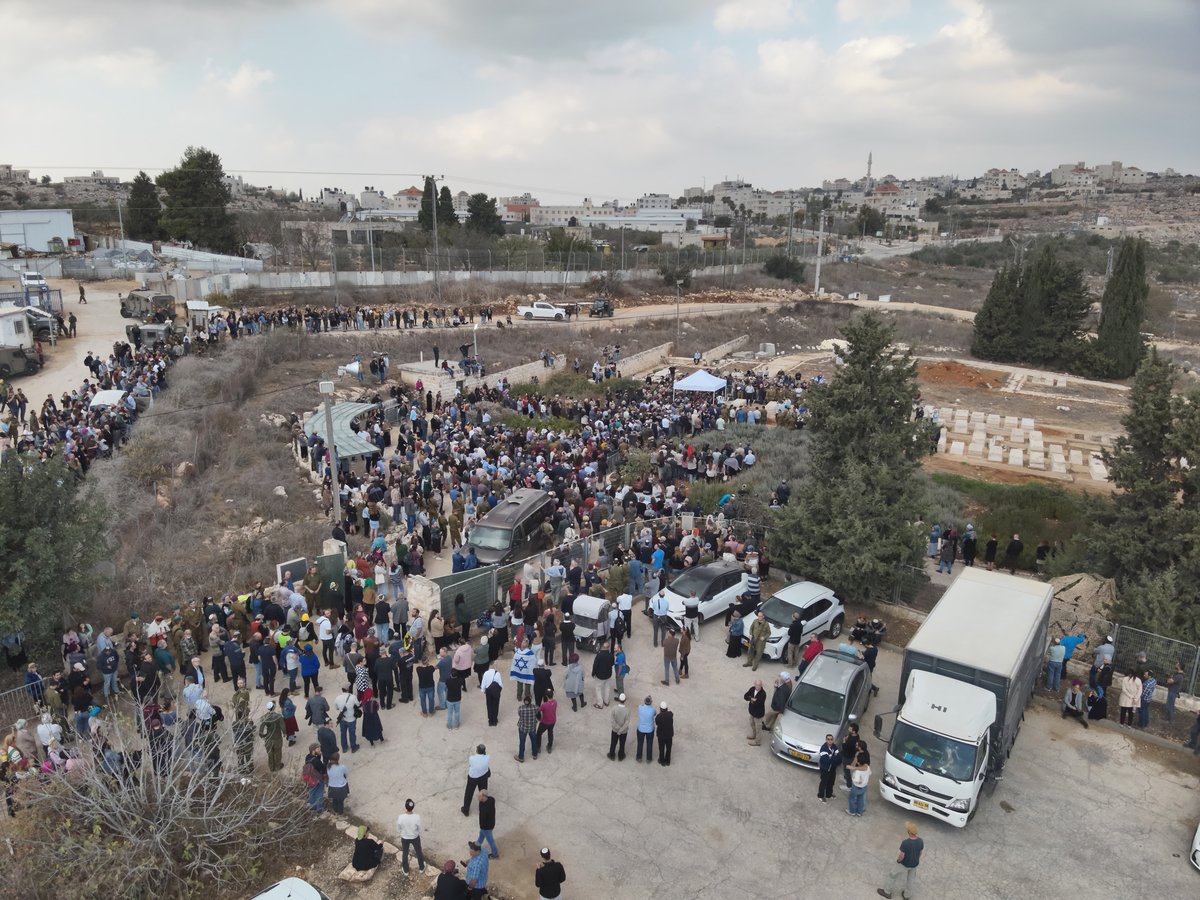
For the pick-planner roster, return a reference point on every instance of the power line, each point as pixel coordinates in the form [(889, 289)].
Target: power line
[(182, 409)]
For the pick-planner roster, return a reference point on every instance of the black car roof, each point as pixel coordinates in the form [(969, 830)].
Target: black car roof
[(512, 508)]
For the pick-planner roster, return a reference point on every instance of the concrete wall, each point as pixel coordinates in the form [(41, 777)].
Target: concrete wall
[(200, 288), (639, 363), (728, 347)]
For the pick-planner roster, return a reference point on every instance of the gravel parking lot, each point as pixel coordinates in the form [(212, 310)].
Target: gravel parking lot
[(1087, 813)]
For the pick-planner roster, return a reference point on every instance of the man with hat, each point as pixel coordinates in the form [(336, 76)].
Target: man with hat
[(664, 728), (550, 875), (449, 885), (477, 871), (779, 699)]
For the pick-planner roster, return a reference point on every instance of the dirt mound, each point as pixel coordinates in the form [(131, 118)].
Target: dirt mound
[(955, 373)]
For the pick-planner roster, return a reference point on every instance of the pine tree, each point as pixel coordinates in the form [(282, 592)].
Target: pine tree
[(425, 215), (1057, 302), (1147, 537), (850, 523), (446, 216), (483, 216), (197, 197), (1122, 309), (997, 324), (145, 210)]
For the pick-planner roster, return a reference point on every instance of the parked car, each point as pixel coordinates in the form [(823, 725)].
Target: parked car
[(291, 889), (833, 692), (1196, 848), (716, 584), (542, 310), (820, 610)]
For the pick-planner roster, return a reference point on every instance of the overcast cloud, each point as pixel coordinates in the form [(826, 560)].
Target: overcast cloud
[(602, 100)]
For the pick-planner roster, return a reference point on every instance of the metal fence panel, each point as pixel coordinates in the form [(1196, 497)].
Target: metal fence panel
[(477, 587), (17, 704), (1140, 650)]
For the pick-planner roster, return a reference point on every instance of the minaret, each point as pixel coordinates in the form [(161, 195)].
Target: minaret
[(869, 155)]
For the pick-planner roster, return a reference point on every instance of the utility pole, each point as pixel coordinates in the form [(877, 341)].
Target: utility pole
[(337, 298), (437, 285), (326, 389), (678, 285), (791, 221), (820, 252), (124, 255), (1109, 265)]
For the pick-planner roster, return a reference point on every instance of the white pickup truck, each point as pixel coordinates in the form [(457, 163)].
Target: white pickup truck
[(542, 310)]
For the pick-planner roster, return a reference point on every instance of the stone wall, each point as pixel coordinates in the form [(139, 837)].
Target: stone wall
[(723, 350)]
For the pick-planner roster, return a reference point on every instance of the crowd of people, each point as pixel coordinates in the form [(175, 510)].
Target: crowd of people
[(74, 428)]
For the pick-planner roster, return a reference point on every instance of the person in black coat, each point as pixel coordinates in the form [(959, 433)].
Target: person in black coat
[(664, 729)]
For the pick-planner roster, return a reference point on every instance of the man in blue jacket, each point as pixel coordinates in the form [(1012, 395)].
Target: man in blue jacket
[(828, 758)]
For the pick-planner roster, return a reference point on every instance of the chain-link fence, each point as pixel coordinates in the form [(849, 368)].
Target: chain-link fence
[(1138, 651)]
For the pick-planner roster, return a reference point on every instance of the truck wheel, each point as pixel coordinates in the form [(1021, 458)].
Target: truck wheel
[(125, 313), (835, 627), (529, 315), (5, 370), (558, 317), (31, 367)]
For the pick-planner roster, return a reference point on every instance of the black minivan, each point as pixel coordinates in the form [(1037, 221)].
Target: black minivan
[(513, 530)]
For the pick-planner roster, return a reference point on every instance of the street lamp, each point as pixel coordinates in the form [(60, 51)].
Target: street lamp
[(678, 285), (326, 389)]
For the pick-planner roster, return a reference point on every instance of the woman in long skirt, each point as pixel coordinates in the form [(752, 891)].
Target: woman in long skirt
[(372, 727), (288, 708)]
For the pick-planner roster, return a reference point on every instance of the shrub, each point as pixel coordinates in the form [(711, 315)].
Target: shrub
[(785, 268), (177, 829)]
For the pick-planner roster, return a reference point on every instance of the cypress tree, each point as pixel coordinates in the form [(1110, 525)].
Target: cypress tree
[(1122, 309)]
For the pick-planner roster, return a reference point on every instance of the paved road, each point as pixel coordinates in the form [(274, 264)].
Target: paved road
[(727, 820)]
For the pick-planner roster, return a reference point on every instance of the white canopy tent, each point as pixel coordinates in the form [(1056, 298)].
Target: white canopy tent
[(701, 382)]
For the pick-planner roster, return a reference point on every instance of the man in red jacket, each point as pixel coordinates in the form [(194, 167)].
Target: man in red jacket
[(811, 651)]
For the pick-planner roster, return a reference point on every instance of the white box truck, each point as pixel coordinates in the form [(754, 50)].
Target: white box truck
[(968, 673)]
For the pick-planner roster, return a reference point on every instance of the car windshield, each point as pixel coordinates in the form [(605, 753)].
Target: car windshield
[(779, 612), (817, 703), (933, 752), (489, 537), (691, 582)]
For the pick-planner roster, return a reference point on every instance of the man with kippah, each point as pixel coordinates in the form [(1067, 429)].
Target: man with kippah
[(549, 877)]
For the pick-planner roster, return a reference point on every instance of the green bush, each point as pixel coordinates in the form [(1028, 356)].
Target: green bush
[(785, 268)]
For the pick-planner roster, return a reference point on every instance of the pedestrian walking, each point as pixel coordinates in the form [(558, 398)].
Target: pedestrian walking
[(487, 823), (620, 729), (549, 877), (270, 729), (547, 719), (408, 826), (756, 700), (760, 630), (454, 695), (526, 729), (372, 725), (573, 684), (685, 650), (479, 770), (670, 643), (903, 876), (492, 687)]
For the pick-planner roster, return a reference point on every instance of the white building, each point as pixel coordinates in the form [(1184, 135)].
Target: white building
[(97, 178), (1002, 180), (36, 229), (9, 175), (614, 216), (370, 198), (654, 201), (235, 184), (335, 198)]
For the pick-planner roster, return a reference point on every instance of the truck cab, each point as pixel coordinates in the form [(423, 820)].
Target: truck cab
[(148, 306), (937, 757)]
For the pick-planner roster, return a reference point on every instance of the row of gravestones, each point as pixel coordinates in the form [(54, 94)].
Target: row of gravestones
[(977, 425)]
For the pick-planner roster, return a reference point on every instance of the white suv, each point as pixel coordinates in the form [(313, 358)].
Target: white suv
[(820, 611)]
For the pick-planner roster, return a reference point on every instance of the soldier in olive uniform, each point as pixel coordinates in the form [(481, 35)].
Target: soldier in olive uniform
[(270, 729)]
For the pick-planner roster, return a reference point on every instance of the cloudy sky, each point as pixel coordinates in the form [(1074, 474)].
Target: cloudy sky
[(610, 99)]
